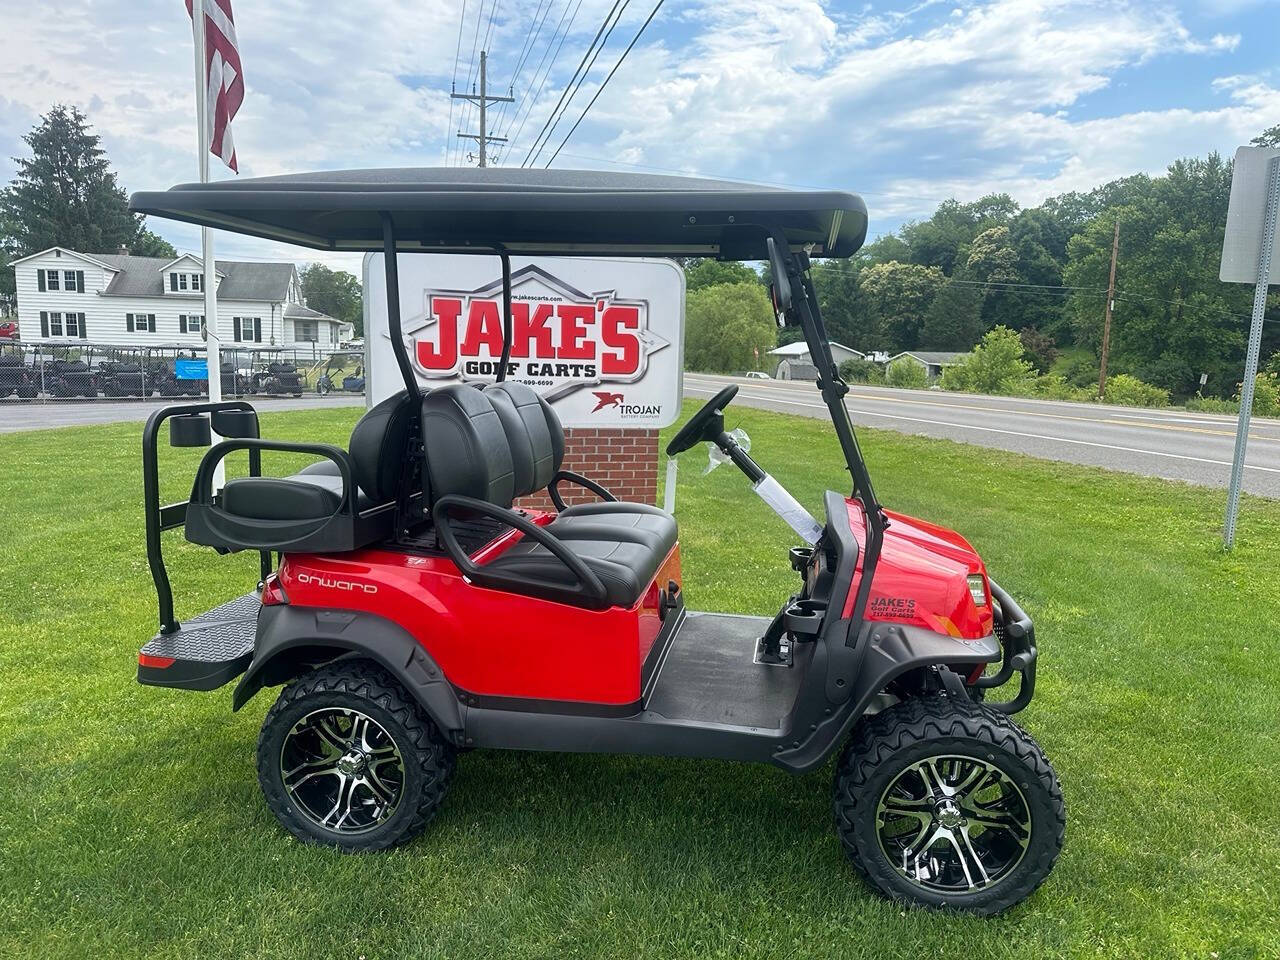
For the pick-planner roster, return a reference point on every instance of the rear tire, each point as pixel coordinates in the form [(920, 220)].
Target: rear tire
[(347, 759), (944, 803)]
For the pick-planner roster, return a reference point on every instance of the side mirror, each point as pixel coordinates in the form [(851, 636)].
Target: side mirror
[(781, 282)]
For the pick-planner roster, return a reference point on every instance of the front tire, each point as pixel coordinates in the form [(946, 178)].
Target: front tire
[(347, 759), (945, 803)]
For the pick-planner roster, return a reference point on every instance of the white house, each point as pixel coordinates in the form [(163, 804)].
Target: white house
[(120, 299), (933, 361), (794, 362)]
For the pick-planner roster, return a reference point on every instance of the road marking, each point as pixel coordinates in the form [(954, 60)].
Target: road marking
[(1014, 433)]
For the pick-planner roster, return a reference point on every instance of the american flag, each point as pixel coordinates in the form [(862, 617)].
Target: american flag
[(225, 84)]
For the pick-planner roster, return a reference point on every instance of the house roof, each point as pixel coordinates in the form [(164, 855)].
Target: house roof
[(800, 348), (296, 311), (939, 358), (91, 258), (528, 212), (142, 277)]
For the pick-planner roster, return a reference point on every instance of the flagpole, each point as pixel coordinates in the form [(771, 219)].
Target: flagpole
[(209, 283)]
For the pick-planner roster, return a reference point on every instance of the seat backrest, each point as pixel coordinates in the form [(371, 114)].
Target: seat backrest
[(378, 446), (467, 451), (533, 432)]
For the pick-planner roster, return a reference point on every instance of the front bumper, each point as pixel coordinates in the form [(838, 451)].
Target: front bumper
[(1017, 636)]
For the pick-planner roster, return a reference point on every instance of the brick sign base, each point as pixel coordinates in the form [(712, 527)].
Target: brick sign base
[(623, 461)]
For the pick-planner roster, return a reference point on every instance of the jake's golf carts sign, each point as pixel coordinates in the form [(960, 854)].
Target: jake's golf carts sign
[(598, 338)]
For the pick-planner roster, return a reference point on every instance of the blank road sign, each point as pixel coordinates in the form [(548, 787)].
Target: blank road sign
[(1245, 215)]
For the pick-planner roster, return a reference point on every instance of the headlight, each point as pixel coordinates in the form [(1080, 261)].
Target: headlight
[(978, 589)]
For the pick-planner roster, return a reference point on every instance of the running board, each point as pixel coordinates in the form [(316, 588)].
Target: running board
[(205, 652)]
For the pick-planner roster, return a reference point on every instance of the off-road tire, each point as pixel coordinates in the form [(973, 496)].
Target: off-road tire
[(428, 758), (883, 745)]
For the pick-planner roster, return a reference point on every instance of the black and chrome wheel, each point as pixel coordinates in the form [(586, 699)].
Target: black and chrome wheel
[(948, 804), (347, 759)]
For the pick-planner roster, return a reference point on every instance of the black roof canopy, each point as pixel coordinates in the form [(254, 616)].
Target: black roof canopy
[(460, 209)]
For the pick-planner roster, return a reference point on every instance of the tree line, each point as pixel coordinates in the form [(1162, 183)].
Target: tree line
[(945, 282)]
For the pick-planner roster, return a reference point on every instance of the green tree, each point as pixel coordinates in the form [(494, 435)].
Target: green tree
[(1268, 138), (897, 298), (1038, 348), (905, 372), (7, 292), (843, 312), (65, 194), (728, 327), (706, 272), (954, 318), (334, 292), (995, 367)]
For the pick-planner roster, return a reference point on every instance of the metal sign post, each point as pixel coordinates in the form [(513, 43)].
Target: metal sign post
[(1245, 207)]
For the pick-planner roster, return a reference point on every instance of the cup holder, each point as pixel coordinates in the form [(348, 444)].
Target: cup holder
[(804, 617), (800, 557)]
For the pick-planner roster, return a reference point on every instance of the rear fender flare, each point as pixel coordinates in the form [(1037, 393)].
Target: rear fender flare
[(283, 628), (889, 650)]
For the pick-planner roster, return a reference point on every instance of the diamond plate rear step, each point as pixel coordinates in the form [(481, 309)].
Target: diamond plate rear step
[(205, 652)]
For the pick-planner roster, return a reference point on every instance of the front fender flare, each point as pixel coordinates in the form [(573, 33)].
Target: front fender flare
[(284, 628)]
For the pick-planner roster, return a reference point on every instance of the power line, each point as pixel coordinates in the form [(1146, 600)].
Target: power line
[(540, 16), (528, 112), (644, 26), (585, 57)]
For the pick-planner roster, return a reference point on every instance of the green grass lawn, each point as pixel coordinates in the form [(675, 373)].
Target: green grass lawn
[(131, 822)]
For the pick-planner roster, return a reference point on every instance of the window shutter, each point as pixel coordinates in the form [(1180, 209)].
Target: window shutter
[(84, 333), (182, 323), (44, 323), (128, 322), (151, 322), (257, 329), (40, 282), (80, 281), (173, 281), (235, 329)]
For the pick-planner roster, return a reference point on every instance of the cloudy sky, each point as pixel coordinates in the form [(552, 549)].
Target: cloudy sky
[(905, 103)]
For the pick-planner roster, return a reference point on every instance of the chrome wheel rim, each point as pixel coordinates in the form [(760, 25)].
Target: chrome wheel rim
[(342, 770), (953, 824)]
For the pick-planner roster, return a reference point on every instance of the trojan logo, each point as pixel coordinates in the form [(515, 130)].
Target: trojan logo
[(559, 334), (604, 399)]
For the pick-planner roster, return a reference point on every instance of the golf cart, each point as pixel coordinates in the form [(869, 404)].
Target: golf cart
[(123, 373), (343, 370), (274, 375), (175, 371), (15, 376), (68, 372), (412, 613)]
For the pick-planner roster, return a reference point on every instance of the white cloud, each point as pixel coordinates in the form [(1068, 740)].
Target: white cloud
[(909, 106)]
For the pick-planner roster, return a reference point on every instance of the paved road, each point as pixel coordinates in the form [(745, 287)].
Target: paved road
[(18, 415), (1196, 448)]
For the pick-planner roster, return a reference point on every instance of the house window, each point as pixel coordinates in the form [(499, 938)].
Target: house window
[(182, 281), (55, 324), (196, 281), (69, 280), (190, 322), (73, 325), (306, 330), (51, 279), (140, 322), (245, 329)]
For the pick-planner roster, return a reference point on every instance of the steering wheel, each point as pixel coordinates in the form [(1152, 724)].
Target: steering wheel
[(706, 424)]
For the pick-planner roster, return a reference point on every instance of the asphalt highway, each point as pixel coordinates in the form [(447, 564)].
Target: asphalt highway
[(1195, 448)]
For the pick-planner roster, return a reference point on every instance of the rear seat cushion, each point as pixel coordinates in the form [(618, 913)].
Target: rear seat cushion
[(275, 498)]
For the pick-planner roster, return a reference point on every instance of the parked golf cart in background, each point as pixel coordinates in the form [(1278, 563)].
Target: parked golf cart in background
[(175, 371), (122, 372), (413, 613), (343, 370), (274, 372), (15, 373), (237, 373), (70, 372)]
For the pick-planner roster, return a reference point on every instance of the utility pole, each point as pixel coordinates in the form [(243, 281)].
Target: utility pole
[(1106, 322), (482, 100)]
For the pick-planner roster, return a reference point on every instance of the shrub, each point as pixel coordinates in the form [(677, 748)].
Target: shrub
[(1054, 386), (1213, 405), (1266, 395), (994, 366), (862, 371), (1127, 390), (905, 372)]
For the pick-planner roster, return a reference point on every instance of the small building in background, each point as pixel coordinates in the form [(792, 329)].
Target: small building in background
[(795, 363), (120, 299), (933, 361)]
